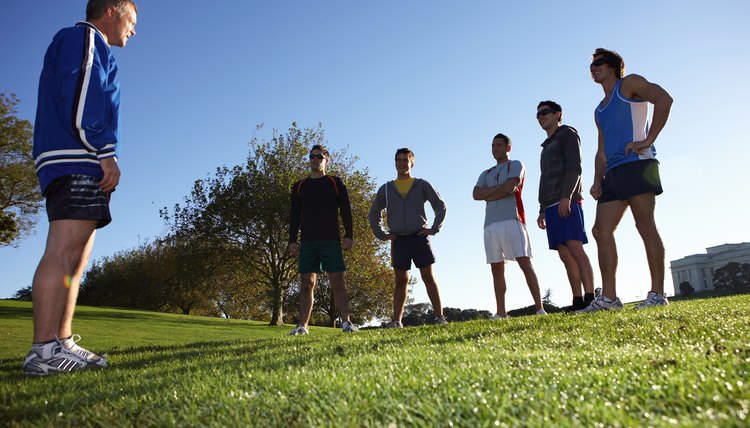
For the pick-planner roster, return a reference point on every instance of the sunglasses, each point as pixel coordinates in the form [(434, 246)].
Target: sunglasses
[(599, 61), (544, 112), (314, 156)]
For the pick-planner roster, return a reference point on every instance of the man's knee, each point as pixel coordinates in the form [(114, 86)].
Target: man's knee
[(524, 262), (602, 233), (498, 269), (336, 278), (646, 227), (308, 282)]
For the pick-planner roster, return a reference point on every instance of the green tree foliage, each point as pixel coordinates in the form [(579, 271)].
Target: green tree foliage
[(733, 277), (686, 288), (243, 212), (422, 313), (23, 294), (165, 276), (20, 199), (547, 298)]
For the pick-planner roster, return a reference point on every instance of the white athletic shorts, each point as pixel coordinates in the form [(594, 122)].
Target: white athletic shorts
[(506, 240)]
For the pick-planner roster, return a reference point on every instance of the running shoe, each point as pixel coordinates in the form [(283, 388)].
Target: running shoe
[(440, 320), (653, 299), (394, 324), (71, 344), (541, 312), (58, 360), (601, 303), (298, 331), (349, 327)]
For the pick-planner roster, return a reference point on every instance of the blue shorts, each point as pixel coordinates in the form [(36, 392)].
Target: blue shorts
[(627, 180), (77, 197), (561, 230), (319, 256), (404, 249)]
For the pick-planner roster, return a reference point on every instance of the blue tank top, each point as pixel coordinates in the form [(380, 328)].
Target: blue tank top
[(623, 120)]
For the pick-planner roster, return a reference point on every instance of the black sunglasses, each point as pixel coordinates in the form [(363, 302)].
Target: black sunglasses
[(314, 156), (599, 61), (544, 112)]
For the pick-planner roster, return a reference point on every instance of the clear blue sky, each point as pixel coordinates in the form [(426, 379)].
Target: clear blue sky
[(441, 77)]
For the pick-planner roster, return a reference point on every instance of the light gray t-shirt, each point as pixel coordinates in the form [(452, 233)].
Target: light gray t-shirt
[(505, 208)]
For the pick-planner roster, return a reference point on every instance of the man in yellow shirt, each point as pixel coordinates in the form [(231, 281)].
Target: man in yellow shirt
[(404, 199)]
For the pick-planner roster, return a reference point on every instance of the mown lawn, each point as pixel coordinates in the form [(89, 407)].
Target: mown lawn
[(684, 365)]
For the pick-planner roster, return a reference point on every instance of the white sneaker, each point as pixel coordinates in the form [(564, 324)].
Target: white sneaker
[(541, 312), (394, 324), (441, 320), (349, 327), (52, 358), (601, 303), (298, 331), (71, 344), (499, 317), (653, 299)]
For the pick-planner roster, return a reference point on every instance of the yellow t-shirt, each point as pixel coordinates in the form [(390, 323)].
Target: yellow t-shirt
[(403, 186)]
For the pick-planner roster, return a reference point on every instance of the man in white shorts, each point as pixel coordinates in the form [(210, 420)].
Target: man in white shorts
[(505, 235)]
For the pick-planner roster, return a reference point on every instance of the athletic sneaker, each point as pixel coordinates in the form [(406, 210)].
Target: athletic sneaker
[(54, 358), (298, 331), (394, 324), (499, 317), (601, 303), (440, 320), (653, 299), (349, 327), (541, 312), (71, 345)]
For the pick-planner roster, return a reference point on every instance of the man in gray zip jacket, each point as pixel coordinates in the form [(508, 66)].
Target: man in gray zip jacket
[(404, 199)]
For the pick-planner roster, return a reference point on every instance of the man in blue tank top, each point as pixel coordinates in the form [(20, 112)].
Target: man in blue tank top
[(626, 172)]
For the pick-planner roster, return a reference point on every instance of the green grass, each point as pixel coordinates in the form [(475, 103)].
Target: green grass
[(684, 365)]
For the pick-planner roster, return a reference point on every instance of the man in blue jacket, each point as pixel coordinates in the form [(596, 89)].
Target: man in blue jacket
[(404, 199), (75, 137)]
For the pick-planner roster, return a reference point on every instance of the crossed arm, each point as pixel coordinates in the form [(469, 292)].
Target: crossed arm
[(494, 193)]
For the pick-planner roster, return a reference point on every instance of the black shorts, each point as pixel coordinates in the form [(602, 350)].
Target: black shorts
[(404, 249), (77, 197), (634, 178)]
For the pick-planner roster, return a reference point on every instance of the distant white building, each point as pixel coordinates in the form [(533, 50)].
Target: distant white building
[(698, 269)]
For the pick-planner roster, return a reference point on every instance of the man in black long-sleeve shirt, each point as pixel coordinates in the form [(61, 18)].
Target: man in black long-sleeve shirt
[(315, 205), (560, 199)]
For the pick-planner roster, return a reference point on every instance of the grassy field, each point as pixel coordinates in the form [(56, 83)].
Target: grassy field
[(684, 365)]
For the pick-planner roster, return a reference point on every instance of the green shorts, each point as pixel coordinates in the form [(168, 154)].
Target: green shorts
[(319, 256)]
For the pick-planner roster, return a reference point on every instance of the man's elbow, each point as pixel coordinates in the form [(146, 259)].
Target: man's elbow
[(665, 101), (477, 194)]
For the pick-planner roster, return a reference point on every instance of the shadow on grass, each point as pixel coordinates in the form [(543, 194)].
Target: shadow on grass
[(15, 312)]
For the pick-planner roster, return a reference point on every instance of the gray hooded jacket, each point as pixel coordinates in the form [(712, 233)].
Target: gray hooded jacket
[(406, 216)]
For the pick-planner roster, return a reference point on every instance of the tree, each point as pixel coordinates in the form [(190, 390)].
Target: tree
[(686, 288), (733, 277), (23, 294), (547, 298), (245, 212), (416, 314), (20, 199)]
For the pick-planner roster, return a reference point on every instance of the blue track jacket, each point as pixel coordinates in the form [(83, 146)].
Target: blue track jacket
[(78, 106)]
